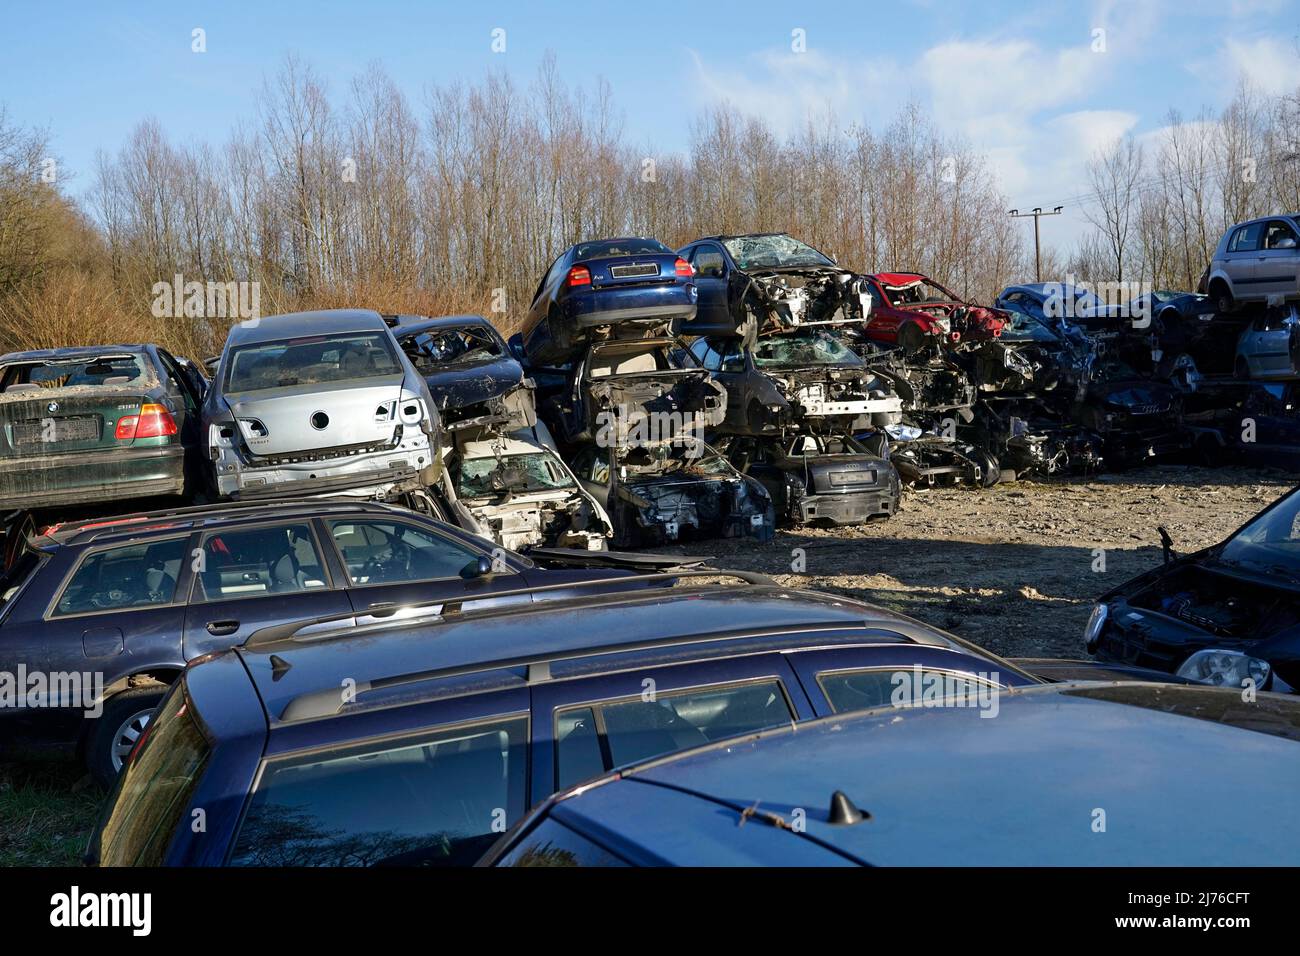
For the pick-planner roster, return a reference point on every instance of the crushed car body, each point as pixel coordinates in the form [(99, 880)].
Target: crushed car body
[(817, 479), (769, 281), (660, 492), (320, 403), (474, 380), (516, 491)]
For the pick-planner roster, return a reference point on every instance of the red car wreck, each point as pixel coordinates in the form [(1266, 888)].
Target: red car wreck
[(910, 311)]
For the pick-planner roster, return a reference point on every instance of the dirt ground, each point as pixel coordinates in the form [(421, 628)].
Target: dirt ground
[(1012, 567)]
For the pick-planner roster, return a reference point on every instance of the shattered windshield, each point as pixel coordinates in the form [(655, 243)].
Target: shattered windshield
[(520, 474), (92, 370), (311, 360), (1025, 327), (463, 346), (810, 348), (773, 252), (1270, 544), (689, 456)]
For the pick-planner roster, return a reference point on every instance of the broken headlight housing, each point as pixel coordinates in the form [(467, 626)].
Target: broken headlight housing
[(1225, 668)]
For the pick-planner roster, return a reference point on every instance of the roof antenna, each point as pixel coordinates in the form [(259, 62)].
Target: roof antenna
[(843, 812)]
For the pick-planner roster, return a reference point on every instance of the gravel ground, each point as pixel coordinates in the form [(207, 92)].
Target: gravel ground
[(1012, 567)]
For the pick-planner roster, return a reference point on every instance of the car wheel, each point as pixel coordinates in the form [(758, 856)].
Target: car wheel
[(118, 729), (1224, 303)]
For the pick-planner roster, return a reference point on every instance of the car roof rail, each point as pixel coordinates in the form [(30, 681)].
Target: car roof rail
[(140, 520), (329, 702), (449, 609)]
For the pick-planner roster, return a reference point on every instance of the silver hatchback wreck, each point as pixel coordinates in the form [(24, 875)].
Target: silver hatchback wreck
[(320, 403)]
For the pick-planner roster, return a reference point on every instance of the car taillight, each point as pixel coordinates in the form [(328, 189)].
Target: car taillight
[(954, 336), (154, 421), (684, 268), (579, 275)]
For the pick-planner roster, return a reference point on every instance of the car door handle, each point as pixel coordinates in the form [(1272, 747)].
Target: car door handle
[(222, 628)]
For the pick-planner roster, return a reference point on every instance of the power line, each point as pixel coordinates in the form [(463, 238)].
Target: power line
[(1037, 214)]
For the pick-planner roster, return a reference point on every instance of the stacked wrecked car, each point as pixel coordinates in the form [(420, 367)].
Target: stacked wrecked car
[(625, 402)]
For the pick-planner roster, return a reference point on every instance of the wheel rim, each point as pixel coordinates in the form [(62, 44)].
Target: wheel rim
[(127, 736)]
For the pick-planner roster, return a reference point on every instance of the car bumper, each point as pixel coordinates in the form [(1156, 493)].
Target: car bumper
[(612, 305), (380, 474), (846, 509), (41, 481)]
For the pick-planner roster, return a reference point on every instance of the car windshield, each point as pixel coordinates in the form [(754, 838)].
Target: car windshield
[(463, 346), (311, 360), (918, 293), (801, 350), (1270, 544), (773, 252), (521, 474), (680, 454), (1025, 327), (619, 247), (91, 371)]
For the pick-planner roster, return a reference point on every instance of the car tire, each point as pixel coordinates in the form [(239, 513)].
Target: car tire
[(1224, 303), (118, 728)]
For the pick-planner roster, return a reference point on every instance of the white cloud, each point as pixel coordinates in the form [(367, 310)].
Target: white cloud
[(1273, 66)]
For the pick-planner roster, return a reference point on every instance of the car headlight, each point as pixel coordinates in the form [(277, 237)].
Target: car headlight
[(1096, 621), (1224, 668)]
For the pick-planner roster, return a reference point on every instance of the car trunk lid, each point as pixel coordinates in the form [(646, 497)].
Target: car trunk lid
[(314, 417)]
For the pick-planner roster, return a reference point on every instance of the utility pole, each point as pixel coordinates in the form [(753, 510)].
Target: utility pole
[(1037, 214)]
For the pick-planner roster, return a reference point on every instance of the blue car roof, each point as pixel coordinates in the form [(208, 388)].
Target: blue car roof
[(1070, 774), (415, 652)]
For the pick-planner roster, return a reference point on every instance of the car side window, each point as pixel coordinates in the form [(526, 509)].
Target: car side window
[(392, 552), (440, 800), (1247, 238), (179, 381), (708, 261), (136, 575), (732, 358), (626, 731), (1280, 235), (885, 686), (254, 561), (706, 355)]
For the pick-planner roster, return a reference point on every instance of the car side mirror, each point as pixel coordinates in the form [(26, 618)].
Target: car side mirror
[(480, 568)]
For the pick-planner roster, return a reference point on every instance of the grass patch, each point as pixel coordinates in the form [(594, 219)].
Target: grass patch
[(47, 811)]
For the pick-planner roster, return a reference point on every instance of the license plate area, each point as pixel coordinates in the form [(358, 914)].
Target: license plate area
[(53, 431), (635, 270)]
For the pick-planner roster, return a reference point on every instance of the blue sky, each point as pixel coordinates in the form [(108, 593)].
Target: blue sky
[(1021, 81)]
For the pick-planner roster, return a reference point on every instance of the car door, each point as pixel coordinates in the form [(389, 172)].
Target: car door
[(255, 576), (1242, 257), (713, 315), (872, 676), (882, 324), (390, 562), (186, 399), (582, 728), (121, 608), (1276, 265)]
